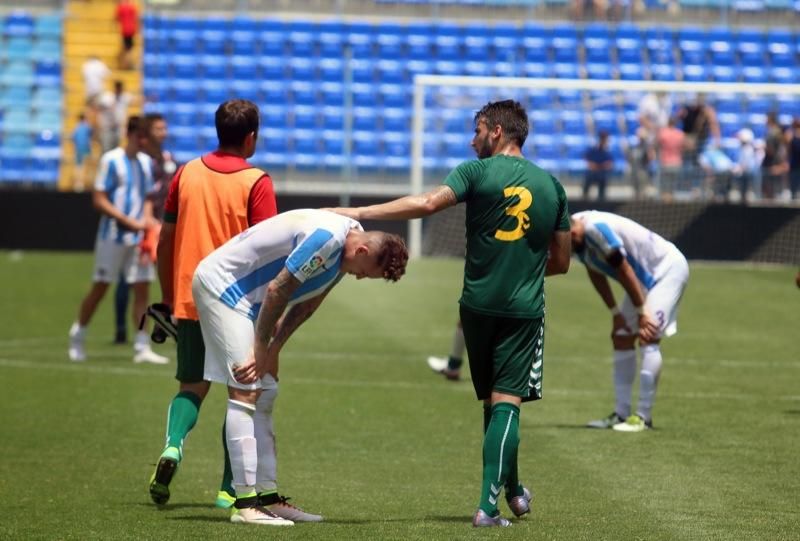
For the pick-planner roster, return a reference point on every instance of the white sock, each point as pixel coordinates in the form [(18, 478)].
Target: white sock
[(267, 472), (648, 379), (239, 433), (457, 349), (141, 341), (77, 331), (624, 374)]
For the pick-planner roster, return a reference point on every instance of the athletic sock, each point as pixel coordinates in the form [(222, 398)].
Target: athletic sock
[(181, 418), (648, 380), (500, 445), (77, 331), (141, 342), (455, 359), (242, 448), (266, 475), (624, 374), (227, 476)]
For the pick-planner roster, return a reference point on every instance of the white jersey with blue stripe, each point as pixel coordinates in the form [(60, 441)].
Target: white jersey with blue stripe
[(648, 253), (308, 243), (127, 182)]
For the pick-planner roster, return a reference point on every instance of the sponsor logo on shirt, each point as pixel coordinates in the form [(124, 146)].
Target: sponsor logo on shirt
[(312, 265)]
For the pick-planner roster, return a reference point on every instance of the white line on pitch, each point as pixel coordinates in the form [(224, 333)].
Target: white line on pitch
[(393, 384)]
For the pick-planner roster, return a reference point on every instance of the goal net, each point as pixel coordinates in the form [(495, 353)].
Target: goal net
[(566, 116)]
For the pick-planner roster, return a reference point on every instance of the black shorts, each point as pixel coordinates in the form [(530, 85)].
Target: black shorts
[(505, 354), (127, 42), (191, 352)]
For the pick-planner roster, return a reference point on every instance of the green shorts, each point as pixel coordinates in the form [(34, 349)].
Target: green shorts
[(191, 352), (505, 354)]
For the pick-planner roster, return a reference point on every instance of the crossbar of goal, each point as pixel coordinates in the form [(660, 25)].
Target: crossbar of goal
[(422, 82)]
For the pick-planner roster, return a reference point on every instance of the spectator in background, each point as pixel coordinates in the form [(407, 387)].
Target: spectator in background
[(653, 113), (699, 126), (774, 166), (794, 160), (95, 73), (747, 170), (670, 141), (163, 169), (113, 115), (127, 16), (598, 164), (82, 143)]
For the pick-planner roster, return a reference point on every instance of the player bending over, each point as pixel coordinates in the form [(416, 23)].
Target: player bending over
[(653, 273), (242, 290)]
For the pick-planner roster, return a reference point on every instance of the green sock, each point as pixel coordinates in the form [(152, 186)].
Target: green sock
[(227, 474), (182, 417), (513, 486), (500, 445)]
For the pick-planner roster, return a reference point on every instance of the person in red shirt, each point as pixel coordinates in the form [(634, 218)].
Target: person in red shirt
[(127, 16)]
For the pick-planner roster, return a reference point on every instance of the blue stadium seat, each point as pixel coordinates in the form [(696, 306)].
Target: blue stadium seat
[(16, 97), (361, 39), (304, 93), (754, 74), (419, 41), (47, 50), (272, 68), (391, 71), (214, 66), (695, 73), (505, 40), (566, 70), (631, 71), (273, 35), (396, 120), (725, 73), (48, 26), (366, 150), (18, 73), (17, 49), (784, 75), (18, 23), (596, 70), (662, 72), (397, 149)]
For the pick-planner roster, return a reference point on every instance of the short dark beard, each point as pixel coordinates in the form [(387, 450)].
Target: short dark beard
[(485, 149)]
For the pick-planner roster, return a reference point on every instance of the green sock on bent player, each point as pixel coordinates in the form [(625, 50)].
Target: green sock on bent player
[(500, 445), (183, 412)]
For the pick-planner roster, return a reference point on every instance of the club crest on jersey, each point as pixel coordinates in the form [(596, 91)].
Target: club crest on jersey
[(312, 265)]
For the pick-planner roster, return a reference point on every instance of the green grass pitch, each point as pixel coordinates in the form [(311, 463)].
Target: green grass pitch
[(384, 448)]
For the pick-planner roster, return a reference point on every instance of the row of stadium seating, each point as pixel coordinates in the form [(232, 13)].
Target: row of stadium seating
[(31, 97), (299, 70), (24, 24), (749, 6)]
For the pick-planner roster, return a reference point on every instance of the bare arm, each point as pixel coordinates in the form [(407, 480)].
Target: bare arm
[(406, 208), (601, 285), (166, 264), (630, 283), (103, 204), (279, 291), (294, 317), (559, 251)]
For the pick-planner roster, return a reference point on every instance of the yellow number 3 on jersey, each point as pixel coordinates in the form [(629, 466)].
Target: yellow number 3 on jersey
[(518, 212)]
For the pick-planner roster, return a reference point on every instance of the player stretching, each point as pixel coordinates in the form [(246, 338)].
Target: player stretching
[(242, 289), (653, 273), (517, 231)]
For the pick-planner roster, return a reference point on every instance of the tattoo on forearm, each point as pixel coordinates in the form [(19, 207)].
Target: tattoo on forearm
[(296, 316), (277, 297)]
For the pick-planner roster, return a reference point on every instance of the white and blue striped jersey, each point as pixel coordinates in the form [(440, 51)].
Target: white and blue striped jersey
[(308, 243), (127, 182), (649, 254)]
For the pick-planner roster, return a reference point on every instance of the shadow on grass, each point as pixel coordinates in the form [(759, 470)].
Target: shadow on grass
[(177, 506), (463, 519), (792, 412)]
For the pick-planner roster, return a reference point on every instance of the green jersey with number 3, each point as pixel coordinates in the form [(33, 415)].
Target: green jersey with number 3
[(513, 208)]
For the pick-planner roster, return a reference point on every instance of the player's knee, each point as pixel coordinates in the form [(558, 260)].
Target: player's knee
[(200, 388), (622, 341)]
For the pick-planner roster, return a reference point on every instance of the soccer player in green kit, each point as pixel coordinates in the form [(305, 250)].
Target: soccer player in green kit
[(517, 233)]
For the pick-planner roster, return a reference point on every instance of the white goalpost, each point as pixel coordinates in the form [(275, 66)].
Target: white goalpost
[(506, 87)]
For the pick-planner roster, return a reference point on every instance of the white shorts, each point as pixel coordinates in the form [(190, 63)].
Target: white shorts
[(662, 301), (229, 338), (111, 259)]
